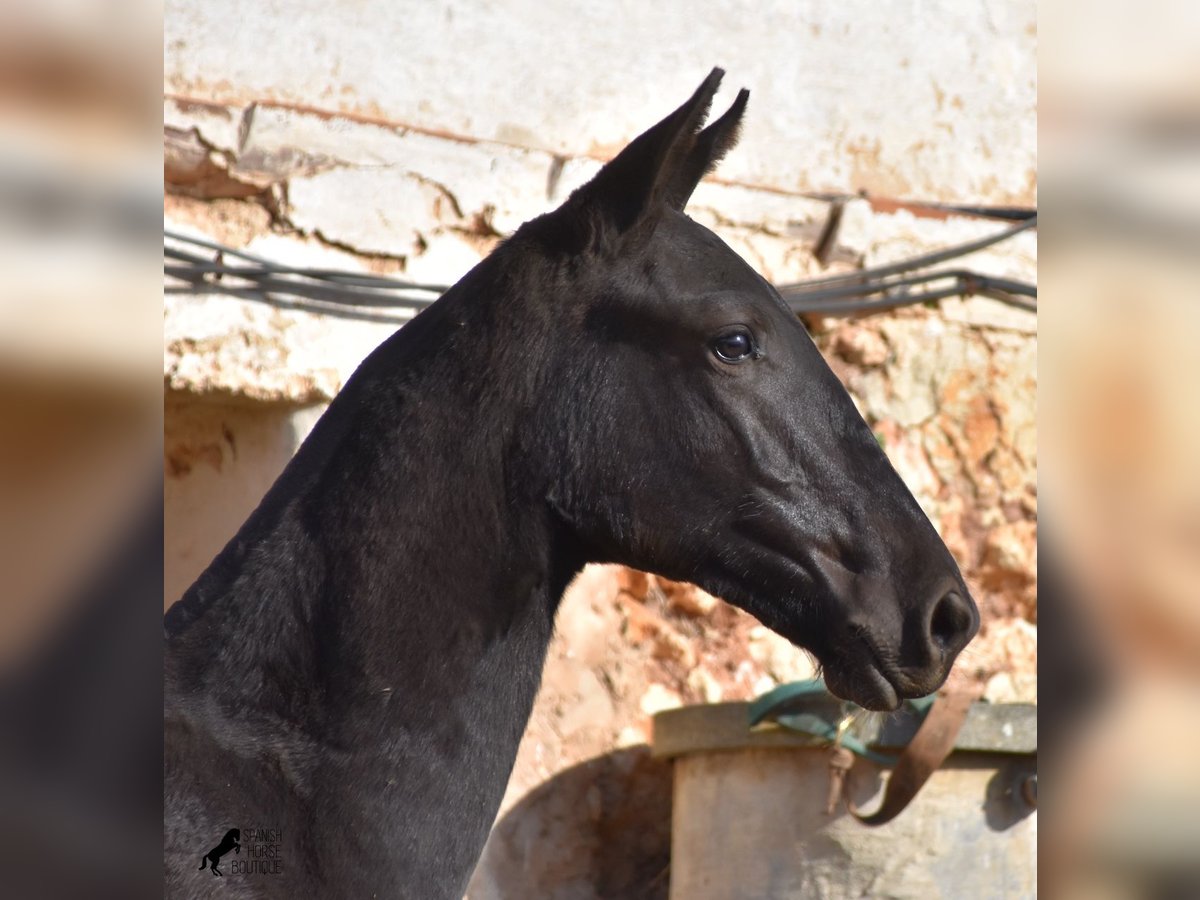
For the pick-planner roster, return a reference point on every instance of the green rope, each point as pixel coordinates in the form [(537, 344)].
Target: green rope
[(816, 725)]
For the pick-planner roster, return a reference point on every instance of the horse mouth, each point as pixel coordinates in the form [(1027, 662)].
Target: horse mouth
[(865, 684), (862, 674)]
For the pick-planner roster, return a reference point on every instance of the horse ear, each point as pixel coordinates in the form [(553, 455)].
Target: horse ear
[(707, 150), (632, 187)]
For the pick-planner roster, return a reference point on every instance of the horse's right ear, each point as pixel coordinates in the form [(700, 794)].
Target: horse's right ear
[(629, 193), (707, 150)]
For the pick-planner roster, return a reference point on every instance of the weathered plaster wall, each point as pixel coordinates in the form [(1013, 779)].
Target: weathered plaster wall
[(932, 99)]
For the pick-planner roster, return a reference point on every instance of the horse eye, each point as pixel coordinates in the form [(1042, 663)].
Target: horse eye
[(735, 346)]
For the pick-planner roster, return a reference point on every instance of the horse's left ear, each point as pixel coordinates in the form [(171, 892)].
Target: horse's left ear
[(659, 167)]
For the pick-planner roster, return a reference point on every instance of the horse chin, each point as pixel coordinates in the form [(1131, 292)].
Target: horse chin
[(868, 687)]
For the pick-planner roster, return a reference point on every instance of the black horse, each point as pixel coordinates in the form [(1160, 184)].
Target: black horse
[(613, 383)]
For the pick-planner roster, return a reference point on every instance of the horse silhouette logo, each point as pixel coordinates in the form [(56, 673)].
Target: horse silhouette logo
[(231, 841)]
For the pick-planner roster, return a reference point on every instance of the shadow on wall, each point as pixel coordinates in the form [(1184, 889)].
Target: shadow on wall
[(219, 459), (600, 830)]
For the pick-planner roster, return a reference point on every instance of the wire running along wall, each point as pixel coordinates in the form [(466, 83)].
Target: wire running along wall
[(198, 266)]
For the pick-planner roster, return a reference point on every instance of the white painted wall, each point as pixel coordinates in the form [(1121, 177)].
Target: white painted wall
[(931, 100)]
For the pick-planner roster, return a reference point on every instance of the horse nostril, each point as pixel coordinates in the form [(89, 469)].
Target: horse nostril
[(953, 623)]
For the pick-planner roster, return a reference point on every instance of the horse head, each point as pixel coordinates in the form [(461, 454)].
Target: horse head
[(694, 429)]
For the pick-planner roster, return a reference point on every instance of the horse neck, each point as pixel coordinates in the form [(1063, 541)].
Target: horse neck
[(399, 579)]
